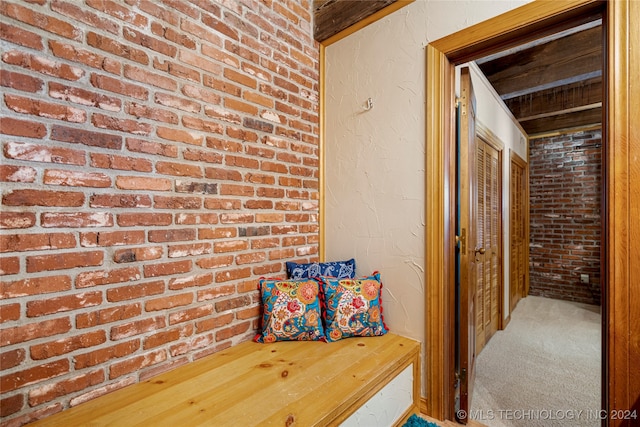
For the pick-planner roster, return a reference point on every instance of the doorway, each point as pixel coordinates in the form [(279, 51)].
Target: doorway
[(474, 42)]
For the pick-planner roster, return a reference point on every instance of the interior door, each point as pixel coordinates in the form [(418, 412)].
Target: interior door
[(488, 205), (519, 257), (467, 244)]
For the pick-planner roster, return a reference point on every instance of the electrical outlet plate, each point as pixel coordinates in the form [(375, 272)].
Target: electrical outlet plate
[(584, 278)]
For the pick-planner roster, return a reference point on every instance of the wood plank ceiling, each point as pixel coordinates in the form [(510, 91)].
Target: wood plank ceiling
[(550, 85)]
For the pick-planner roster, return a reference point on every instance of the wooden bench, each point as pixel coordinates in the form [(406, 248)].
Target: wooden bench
[(355, 381)]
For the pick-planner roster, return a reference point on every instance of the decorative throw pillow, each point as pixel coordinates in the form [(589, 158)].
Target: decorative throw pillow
[(353, 307), (291, 311), (339, 269)]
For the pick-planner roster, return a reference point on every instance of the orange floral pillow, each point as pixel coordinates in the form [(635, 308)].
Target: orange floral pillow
[(352, 307), (290, 311)]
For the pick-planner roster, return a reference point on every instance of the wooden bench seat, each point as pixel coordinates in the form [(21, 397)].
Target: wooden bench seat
[(284, 384)]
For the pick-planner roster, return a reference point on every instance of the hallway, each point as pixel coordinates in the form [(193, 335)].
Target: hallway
[(543, 369)]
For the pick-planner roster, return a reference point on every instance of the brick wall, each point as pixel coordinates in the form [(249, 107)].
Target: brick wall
[(565, 215), (158, 157)]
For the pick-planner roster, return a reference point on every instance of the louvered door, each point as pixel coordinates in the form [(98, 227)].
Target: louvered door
[(518, 236), (488, 238)]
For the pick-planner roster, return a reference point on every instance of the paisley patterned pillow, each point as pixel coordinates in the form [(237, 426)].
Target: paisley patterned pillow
[(291, 311), (339, 269), (353, 307)]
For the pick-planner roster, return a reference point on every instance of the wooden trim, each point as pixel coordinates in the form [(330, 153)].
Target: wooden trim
[(515, 158), (322, 158), (439, 229), (524, 23), (488, 136), (623, 209), (367, 21), (528, 22)]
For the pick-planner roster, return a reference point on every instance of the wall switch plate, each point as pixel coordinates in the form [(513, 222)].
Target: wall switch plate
[(584, 278)]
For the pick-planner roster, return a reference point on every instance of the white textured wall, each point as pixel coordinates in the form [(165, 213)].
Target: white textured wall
[(375, 160)]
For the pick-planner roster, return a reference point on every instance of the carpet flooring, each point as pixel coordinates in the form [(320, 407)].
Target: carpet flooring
[(543, 369)]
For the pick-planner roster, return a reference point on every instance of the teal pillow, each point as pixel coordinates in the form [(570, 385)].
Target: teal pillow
[(290, 311), (339, 269), (353, 307)]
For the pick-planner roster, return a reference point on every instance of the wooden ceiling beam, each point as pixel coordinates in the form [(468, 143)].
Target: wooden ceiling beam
[(563, 121), (575, 95), (333, 16), (542, 65)]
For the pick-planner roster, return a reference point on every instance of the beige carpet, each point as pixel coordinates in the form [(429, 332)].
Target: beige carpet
[(543, 369)]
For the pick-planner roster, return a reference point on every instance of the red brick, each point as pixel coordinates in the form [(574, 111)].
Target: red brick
[(68, 344), (76, 178), (122, 125), (34, 286), (107, 161), (232, 218), (84, 97), (196, 218), (266, 269), (197, 123), (138, 219), (177, 69), (167, 268), (11, 404), (83, 56), (76, 220), (174, 235), (199, 61), (42, 21), (214, 323), (112, 46), (168, 302), (20, 36), (70, 9), (17, 220), (47, 393), (29, 242), (120, 201), (43, 65), (138, 254), (136, 363), (89, 138), (108, 315), (139, 290), (177, 203), (18, 127), (147, 41), (161, 338), (193, 138), (215, 262), (190, 314), (12, 358), (142, 183), (191, 281), (31, 331), (230, 246), (10, 173), (114, 238), (102, 355), (251, 258), (157, 114), (195, 187), (8, 266), (64, 261), (8, 313), (232, 331), (33, 375), (148, 147), (48, 110), (106, 277), (43, 153), (223, 204), (118, 11), (137, 327), (225, 276), (179, 169), (43, 307), (191, 92), (21, 82), (190, 250), (216, 292)]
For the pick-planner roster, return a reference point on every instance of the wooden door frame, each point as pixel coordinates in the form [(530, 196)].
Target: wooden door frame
[(621, 191)]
